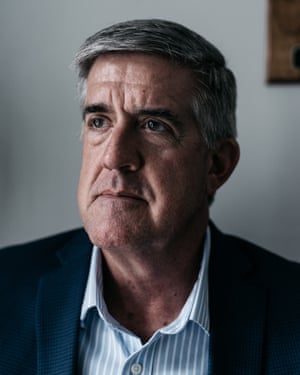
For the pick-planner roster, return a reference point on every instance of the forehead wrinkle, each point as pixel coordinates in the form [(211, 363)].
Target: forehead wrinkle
[(146, 102), (129, 85), (128, 77), (113, 101)]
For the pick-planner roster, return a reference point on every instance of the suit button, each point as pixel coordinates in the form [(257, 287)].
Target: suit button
[(136, 369)]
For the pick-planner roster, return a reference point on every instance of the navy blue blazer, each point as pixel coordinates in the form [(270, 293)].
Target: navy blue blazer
[(254, 307)]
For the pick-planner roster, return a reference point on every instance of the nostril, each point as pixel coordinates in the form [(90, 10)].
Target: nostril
[(123, 150), (125, 159)]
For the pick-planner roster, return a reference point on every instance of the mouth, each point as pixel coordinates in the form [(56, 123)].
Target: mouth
[(123, 195)]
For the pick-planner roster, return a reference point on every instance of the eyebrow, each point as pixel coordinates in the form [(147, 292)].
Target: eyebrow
[(95, 108), (160, 112)]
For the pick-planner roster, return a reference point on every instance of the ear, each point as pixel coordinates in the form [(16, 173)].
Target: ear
[(223, 160)]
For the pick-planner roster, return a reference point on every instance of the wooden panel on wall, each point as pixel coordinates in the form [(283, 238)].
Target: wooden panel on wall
[(284, 41)]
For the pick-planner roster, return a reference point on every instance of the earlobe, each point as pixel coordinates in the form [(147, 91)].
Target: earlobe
[(223, 161)]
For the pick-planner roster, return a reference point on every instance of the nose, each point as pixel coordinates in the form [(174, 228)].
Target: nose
[(122, 151)]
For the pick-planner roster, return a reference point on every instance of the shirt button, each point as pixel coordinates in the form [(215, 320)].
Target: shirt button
[(136, 369)]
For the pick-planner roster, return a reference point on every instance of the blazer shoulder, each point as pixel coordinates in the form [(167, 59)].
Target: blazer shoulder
[(264, 258), (272, 268), (60, 262), (35, 255)]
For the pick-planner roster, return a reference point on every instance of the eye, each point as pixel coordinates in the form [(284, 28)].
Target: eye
[(155, 126), (96, 123)]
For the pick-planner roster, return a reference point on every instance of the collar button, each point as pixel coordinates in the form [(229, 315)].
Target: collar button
[(136, 369)]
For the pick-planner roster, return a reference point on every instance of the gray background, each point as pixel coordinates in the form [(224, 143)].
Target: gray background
[(40, 119)]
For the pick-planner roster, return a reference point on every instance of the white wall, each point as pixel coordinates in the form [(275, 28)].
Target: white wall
[(40, 119)]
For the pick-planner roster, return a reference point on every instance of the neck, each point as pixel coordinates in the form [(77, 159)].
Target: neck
[(146, 291)]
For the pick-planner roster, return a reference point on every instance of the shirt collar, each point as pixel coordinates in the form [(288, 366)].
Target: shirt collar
[(195, 309)]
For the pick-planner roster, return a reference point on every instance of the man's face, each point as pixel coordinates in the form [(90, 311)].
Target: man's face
[(143, 180)]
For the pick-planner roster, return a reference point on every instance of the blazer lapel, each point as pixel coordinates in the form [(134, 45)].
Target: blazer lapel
[(237, 310), (58, 308)]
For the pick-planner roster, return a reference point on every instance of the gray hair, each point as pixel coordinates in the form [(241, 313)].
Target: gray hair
[(214, 99)]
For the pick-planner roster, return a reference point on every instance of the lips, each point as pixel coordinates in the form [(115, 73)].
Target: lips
[(121, 195)]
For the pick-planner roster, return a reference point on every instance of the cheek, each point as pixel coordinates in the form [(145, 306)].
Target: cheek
[(187, 178), (178, 178), (82, 190), (91, 160), (87, 173)]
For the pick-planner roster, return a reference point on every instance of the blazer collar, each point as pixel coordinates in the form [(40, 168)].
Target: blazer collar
[(237, 310), (58, 308)]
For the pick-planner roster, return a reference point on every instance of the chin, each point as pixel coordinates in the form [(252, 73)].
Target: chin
[(110, 236)]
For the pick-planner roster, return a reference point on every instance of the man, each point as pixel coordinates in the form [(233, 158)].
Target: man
[(150, 286)]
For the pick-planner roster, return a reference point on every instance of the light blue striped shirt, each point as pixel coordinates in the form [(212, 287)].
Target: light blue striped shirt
[(180, 348)]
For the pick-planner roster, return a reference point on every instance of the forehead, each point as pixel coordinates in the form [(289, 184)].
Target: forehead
[(146, 74)]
